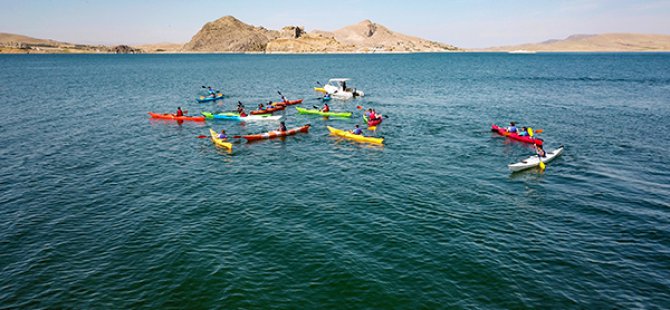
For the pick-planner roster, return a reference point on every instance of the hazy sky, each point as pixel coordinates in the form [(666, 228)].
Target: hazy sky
[(464, 23)]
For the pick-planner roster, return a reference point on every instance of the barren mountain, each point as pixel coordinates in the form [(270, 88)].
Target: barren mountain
[(15, 43), (228, 34), (367, 35), (609, 42)]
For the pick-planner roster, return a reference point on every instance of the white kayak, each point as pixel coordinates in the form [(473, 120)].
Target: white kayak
[(534, 160), (262, 117)]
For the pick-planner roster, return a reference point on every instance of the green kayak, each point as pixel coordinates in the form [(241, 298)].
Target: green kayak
[(318, 112)]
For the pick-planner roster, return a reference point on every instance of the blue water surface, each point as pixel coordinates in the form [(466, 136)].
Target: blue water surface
[(101, 207)]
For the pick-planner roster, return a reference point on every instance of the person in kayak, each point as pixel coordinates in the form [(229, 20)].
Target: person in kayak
[(325, 108), (282, 126), (261, 107), (326, 96), (284, 99), (512, 128), (223, 135), (357, 130), (179, 112), (371, 114), (540, 151), (374, 116), (523, 132), (210, 90), (240, 109)]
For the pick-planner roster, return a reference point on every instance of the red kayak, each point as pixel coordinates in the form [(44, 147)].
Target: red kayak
[(503, 132), (177, 118), (276, 133), (373, 122), (268, 110), (290, 102)]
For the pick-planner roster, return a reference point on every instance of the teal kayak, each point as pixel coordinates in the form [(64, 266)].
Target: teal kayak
[(209, 98), (318, 112)]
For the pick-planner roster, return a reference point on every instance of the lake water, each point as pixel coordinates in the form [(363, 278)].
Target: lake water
[(101, 207)]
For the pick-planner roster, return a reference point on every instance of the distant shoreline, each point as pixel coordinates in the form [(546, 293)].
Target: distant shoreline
[(336, 53)]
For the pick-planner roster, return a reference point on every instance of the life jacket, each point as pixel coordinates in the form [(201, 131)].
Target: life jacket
[(326, 109), (180, 113), (530, 132)]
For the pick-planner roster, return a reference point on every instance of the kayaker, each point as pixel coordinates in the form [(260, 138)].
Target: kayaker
[(374, 115), (210, 90), (357, 130), (540, 151), (326, 96), (223, 135), (261, 107), (179, 112), (282, 126), (240, 110), (523, 132), (284, 99), (325, 108), (512, 128)]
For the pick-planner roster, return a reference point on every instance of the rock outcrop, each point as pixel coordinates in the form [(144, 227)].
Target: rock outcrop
[(228, 34), (125, 49), (369, 36)]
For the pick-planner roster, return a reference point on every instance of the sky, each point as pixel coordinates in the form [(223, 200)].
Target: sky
[(464, 23)]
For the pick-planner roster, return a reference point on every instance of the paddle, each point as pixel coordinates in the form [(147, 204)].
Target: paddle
[(542, 165)]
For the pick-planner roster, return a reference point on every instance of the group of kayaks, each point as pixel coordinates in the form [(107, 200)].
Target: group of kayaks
[(265, 114), (532, 161)]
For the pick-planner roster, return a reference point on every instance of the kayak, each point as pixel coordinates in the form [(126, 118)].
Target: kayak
[(219, 142), (276, 133), (208, 98), (373, 122), (351, 136), (318, 112), (177, 118), (268, 110), (237, 117), (503, 132), (282, 103), (534, 160)]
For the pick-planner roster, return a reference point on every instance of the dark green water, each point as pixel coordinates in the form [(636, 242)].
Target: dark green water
[(102, 208)]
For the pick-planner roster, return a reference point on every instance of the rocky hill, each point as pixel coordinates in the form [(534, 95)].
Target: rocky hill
[(20, 44), (369, 36), (228, 34), (609, 42)]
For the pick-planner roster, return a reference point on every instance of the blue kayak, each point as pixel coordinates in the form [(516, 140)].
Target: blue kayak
[(208, 98)]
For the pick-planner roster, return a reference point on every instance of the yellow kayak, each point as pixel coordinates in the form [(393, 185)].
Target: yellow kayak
[(219, 142), (351, 136), (320, 89)]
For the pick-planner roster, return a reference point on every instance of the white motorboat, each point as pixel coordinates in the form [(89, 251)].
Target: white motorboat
[(338, 88)]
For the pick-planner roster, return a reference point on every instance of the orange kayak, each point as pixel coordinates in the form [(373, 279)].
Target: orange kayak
[(276, 133), (177, 118), (290, 102), (268, 110)]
